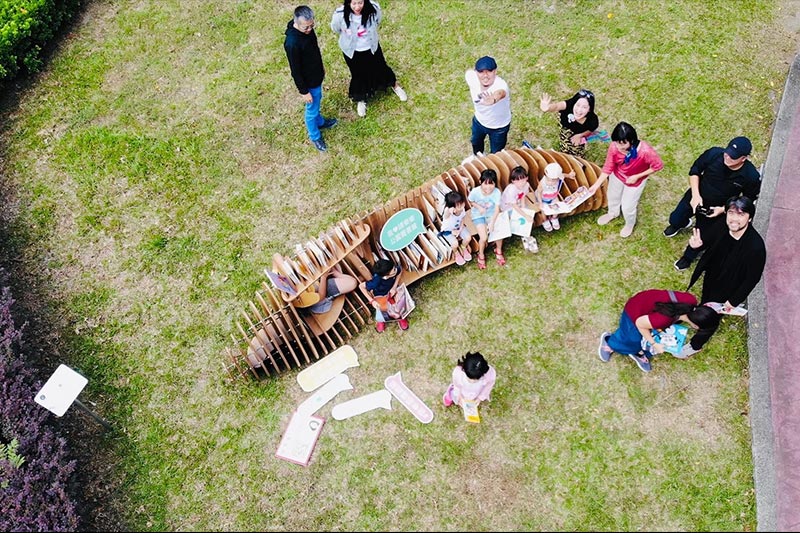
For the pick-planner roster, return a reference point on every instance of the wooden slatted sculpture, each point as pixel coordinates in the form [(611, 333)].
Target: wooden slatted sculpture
[(275, 334)]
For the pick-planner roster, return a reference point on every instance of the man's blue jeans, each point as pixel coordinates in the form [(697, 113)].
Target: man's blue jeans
[(314, 118), (497, 137)]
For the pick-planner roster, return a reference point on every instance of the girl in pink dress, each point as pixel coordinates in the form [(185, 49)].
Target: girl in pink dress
[(473, 380)]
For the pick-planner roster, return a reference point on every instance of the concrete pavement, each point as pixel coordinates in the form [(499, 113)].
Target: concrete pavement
[(774, 318)]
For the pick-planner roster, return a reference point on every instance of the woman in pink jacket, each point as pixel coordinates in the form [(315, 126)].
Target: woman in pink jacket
[(629, 163)]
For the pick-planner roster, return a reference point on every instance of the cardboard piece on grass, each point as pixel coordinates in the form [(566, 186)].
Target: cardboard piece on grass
[(300, 438), (407, 398), (362, 404), (324, 394), (327, 368)]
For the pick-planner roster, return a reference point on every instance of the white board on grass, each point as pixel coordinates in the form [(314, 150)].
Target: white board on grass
[(300, 438)]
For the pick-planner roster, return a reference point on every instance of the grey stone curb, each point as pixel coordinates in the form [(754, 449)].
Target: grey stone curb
[(760, 400)]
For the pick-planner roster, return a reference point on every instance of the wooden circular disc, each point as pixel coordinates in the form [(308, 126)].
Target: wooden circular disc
[(460, 175), (546, 154), (474, 173), (503, 171), (591, 177), (597, 171), (540, 160), (510, 162), (580, 175), (479, 164), (534, 172), (492, 164), (452, 180), (517, 159)]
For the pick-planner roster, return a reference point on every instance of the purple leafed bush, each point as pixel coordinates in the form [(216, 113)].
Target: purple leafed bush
[(33, 496)]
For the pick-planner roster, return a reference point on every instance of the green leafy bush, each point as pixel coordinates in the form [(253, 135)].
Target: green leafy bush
[(26, 27)]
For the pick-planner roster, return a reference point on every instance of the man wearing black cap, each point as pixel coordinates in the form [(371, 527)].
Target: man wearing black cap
[(732, 263), (716, 176), (492, 101)]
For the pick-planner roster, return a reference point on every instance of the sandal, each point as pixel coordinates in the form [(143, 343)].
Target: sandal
[(501, 259), (481, 262)]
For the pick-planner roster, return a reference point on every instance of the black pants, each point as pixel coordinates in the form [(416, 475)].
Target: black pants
[(369, 74)]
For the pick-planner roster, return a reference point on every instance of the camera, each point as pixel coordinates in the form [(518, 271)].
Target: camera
[(705, 211)]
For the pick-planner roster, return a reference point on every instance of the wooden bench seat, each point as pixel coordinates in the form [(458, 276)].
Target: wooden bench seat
[(322, 322)]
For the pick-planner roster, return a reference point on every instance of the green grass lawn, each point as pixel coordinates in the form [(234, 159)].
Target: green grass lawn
[(161, 160)]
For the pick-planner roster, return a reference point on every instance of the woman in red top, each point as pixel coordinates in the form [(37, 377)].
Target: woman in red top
[(649, 310), (629, 162)]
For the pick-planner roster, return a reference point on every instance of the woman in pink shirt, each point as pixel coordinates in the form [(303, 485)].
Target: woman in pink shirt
[(629, 163)]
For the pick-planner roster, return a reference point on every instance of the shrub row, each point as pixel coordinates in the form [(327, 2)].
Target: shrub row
[(27, 26), (33, 495)]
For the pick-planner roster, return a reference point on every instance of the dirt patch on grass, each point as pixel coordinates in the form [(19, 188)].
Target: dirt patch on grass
[(689, 412)]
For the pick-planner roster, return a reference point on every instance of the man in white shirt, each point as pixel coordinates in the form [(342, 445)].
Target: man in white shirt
[(492, 100)]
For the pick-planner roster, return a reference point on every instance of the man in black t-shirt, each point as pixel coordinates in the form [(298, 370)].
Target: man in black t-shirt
[(717, 175)]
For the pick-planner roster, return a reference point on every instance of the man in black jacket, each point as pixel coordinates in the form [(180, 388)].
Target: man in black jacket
[(714, 177), (305, 63), (733, 261)]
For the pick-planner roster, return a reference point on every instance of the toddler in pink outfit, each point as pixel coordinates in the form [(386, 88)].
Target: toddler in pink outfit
[(473, 379)]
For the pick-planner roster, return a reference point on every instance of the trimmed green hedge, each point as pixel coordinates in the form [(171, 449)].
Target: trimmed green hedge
[(26, 26)]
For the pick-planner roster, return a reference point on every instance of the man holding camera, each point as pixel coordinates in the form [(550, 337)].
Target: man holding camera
[(717, 175)]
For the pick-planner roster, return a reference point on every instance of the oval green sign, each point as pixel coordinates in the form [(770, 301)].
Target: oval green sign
[(401, 229)]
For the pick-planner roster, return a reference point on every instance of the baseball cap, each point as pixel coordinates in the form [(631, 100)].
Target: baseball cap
[(553, 171), (738, 147), (485, 63)]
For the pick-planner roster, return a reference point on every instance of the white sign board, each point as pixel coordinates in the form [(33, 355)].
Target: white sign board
[(61, 390), (300, 438)]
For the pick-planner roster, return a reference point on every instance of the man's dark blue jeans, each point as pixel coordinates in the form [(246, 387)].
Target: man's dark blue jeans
[(497, 137)]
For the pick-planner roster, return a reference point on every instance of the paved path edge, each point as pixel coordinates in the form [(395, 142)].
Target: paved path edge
[(763, 439)]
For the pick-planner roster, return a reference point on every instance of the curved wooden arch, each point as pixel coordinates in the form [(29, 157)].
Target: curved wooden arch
[(516, 158), (275, 335)]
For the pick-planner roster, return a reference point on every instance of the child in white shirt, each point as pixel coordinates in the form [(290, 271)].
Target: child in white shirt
[(453, 228)]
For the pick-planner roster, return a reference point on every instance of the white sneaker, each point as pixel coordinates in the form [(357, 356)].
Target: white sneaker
[(686, 352), (362, 109), (605, 219), (401, 94), (626, 231), (547, 225)]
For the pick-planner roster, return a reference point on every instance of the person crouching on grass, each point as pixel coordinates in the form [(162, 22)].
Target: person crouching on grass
[(649, 310)]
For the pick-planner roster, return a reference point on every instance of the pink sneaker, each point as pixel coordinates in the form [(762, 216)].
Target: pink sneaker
[(459, 259), (380, 326), (446, 399), (467, 255), (556, 224), (403, 323), (547, 225)]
